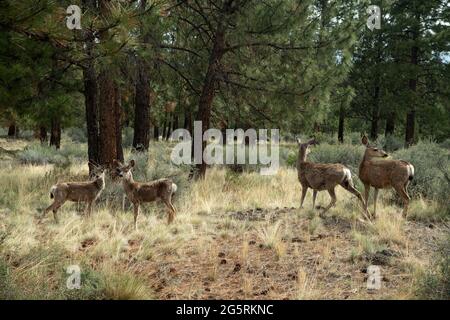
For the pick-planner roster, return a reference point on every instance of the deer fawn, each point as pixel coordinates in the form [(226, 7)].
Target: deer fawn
[(76, 191), (381, 174), (321, 176), (138, 192)]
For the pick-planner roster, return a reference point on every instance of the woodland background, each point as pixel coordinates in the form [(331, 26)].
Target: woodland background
[(137, 70)]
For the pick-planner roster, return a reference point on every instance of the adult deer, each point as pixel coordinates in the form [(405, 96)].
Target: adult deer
[(384, 173), (322, 176), (138, 192), (77, 192)]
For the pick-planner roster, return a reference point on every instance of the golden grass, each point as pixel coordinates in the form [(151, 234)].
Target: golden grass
[(206, 253)]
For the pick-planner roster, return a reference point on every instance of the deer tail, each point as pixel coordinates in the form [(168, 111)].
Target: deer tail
[(52, 191), (410, 171), (347, 180), (174, 188)]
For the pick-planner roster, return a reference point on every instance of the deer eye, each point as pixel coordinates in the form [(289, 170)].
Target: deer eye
[(375, 149)]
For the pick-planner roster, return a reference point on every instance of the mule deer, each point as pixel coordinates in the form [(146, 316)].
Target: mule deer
[(381, 174), (322, 176), (76, 191), (138, 192)]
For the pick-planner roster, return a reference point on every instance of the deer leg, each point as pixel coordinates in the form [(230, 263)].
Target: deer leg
[(375, 196), (89, 208), (352, 190), (136, 213), (123, 202), (333, 200), (304, 190), (401, 190), (172, 211), (314, 199), (55, 210), (54, 207), (50, 207), (366, 197)]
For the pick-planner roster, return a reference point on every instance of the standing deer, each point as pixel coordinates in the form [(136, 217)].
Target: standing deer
[(76, 191), (322, 176), (381, 174), (138, 192)]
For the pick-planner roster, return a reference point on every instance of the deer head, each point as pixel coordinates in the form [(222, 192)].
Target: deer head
[(304, 147), (124, 171), (372, 151), (98, 172)]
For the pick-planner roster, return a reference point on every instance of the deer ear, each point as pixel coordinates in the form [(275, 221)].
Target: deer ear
[(299, 142), (117, 163), (132, 163), (312, 141), (364, 140)]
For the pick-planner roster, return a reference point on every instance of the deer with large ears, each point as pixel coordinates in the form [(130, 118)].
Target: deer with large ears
[(322, 176), (384, 173), (138, 192), (77, 192)]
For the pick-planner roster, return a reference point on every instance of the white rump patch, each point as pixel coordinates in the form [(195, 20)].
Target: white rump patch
[(347, 175), (174, 188), (53, 189), (410, 170)]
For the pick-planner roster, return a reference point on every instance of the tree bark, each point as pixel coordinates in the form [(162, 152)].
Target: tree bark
[(55, 133), (90, 98), (341, 124), (156, 133), (12, 130), (43, 134), (187, 119), (411, 114), (390, 124), (90, 102), (141, 136), (375, 113), (108, 106), (107, 120), (208, 90), (118, 122)]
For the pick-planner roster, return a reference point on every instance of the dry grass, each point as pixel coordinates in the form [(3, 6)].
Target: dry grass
[(212, 250)]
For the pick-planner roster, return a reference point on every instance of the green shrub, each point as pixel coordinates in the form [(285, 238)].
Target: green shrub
[(77, 134), (42, 154), (435, 283), (432, 170), (127, 137), (348, 155), (445, 144), (390, 143)]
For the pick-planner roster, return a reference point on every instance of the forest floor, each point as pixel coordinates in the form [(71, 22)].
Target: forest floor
[(236, 236)]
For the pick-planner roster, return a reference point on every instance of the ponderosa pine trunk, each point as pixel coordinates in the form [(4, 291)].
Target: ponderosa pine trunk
[(341, 124), (375, 114), (108, 104), (390, 124), (208, 91), (107, 119), (118, 123), (12, 130), (55, 133), (411, 114), (90, 97), (141, 136), (42, 134)]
